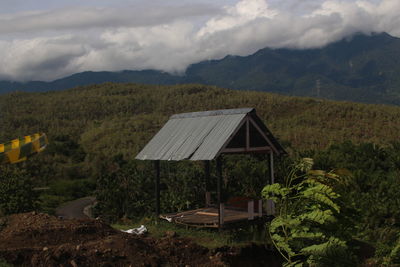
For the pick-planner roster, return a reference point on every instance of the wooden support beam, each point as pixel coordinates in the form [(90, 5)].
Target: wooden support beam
[(250, 209), (247, 134), (246, 150), (272, 177), (271, 167), (260, 210), (264, 135), (221, 215), (208, 199), (207, 182), (157, 187), (270, 207), (219, 190)]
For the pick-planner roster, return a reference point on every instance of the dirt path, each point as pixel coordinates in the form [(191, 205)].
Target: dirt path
[(74, 209)]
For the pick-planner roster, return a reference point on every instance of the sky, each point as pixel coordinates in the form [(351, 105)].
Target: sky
[(47, 39)]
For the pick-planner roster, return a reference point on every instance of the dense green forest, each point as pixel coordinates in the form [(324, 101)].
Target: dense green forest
[(96, 131)]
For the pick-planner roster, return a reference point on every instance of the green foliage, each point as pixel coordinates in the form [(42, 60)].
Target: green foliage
[(94, 130), (245, 175), (60, 191), (3, 263), (124, 190), (16, 191), (72, 189), (393, 256), (370, 197), (306, 206), (183, 185), (48, 203)]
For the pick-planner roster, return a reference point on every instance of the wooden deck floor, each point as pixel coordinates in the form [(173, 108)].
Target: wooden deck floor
[(206, 217)]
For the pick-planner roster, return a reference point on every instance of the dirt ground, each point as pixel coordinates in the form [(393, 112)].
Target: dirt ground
[(36, 239)]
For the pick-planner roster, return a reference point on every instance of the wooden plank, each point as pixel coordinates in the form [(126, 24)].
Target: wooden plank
[(202, 218), (207, 213), (247, 150), (187, 212)]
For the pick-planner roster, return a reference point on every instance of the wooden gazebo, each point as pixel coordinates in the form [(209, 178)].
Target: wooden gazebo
[(205, 136)]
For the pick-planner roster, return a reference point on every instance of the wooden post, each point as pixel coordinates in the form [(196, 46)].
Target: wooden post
[(247, 134), (250, 209), (271, 166), (221, 212), (270, 207), (207, 182), (208, 199), (157, 187), (260, 211), (219, 190), (271, 204)]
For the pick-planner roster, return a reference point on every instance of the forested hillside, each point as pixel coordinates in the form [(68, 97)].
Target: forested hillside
[(96, 131), (359, 68), (120, 118), (87, 126)]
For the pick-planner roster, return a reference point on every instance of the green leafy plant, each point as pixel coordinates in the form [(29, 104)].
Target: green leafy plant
[(306, 208)]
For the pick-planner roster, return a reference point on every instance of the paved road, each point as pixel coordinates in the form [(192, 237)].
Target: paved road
[(74, 209)]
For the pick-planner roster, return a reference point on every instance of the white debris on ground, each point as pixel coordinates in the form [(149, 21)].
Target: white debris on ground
[(137, 231)]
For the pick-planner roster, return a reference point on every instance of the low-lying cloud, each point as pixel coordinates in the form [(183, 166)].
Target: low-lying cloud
[(45, 45)]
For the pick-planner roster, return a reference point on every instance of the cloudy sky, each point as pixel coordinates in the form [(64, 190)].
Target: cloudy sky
[(47, 39)]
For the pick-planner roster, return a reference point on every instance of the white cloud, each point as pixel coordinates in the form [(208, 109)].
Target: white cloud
[(86, 18), (238, 15), (46, 45)]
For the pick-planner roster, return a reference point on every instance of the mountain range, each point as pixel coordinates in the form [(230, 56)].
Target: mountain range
[(360, 68)]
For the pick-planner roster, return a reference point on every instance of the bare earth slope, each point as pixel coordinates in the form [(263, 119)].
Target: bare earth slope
[(35, 239)]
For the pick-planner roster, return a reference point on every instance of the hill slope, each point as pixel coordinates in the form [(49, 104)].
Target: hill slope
[(121, 118), (94, 130), (361, 68)]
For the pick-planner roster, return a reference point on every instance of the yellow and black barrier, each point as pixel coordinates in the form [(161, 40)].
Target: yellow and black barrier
[(20, 149)]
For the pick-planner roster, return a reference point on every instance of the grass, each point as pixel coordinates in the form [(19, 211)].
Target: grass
[(210, 238)]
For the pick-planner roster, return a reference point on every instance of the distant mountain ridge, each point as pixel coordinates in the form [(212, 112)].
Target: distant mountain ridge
[(360, 68)]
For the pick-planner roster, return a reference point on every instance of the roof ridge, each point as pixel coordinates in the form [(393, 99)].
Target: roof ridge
[(212, 113)]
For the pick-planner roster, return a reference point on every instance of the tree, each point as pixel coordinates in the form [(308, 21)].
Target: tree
[(16, 191), (306, 211)]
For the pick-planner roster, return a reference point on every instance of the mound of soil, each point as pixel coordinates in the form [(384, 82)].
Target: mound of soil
[(35, 239)]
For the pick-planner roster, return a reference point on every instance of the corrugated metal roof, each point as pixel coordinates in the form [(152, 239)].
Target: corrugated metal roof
[(213, 113), (194, 136)]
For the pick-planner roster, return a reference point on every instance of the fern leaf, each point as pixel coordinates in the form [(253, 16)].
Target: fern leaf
[(274, 192), (323, 248), (318, 216)]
